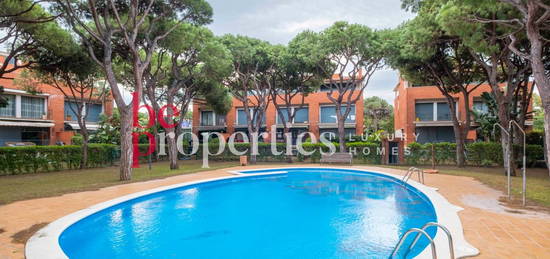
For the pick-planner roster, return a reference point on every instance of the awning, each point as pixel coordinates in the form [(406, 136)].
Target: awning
[(294, 125), (26, 124), (433, 123), (335, 125), (75, 126)]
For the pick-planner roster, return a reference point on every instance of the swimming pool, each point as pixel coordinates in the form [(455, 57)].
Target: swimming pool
[(295, 213)]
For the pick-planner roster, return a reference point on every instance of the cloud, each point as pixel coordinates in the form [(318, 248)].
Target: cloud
[(382, 84), (297, 27), (278, 21)]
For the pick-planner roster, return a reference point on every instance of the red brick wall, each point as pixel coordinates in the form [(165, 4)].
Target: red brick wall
[(56, 106), (313, 101), (405, 100)]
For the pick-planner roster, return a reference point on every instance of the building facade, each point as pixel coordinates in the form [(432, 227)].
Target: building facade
[(422, 114), (43, 117), (317, 115)]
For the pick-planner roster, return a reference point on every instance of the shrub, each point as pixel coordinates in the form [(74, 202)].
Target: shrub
[(77, 139), (264, 152), (484, 153), (477, 154), (534, 138), (34, 159), (534, 153)]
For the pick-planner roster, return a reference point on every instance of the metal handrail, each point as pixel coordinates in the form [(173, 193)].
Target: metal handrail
[(410, 231), (412, 170), (407, 173), (502, 129), (524, 185), (447, 232)]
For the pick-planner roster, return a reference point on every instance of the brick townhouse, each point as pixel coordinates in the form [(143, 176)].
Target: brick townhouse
[(423, 110), (45, 117), (318, 115)]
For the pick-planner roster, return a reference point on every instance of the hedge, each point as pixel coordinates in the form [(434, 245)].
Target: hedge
[(264, 152), (477, 154), (34, 159), (365, 151)]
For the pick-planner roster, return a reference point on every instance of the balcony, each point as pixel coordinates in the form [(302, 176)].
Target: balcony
[(212, 123)]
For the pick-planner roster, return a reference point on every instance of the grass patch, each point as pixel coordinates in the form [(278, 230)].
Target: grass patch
[(22, 236), (30, 186), (538, 181)]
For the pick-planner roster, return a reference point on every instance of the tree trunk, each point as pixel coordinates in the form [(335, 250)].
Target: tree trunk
[(546, 105), (285, 136), (539, 73), (341, 134), (126, 146), (460, 146), (253, 158), (459, 135), (156, 134), (172, 149), (84, 161)]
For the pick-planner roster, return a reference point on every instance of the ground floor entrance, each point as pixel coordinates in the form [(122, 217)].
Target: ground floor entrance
[(435, 134), (36, 135)]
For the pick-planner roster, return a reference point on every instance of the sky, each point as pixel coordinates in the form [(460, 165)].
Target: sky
[(278, 21)]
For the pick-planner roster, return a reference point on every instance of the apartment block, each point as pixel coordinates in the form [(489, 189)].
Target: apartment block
[(422, 114), (317, 115), (43, 117)]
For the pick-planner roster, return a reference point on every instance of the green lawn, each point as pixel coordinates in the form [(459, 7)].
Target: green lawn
[(29, 186), (538, 181)]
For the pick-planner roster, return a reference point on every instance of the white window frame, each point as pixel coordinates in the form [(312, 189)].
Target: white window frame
[(293, 108), (213, 116), (334, 105), (434, 103), (84, 109), (251, 111)]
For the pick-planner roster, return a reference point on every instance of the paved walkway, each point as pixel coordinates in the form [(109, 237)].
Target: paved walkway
[(487, 225)]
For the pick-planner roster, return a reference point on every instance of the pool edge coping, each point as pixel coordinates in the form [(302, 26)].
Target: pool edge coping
[(45, 242)]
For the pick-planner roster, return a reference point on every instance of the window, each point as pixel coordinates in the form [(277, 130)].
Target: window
[(424, 111), (284, 112), (32, 107), (242, 119), (432, 111), (443, 112), (207, 118), (328, 114), (9, 109), (220, 120), (72, 113), (301, 115), (93, 111), (481, 107)]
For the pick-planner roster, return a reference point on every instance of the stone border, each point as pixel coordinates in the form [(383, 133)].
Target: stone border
[(44, 244)]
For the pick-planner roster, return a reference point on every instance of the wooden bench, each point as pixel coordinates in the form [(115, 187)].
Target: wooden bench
[(336, 158)]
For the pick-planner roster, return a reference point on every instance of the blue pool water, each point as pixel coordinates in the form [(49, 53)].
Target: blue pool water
[(307, 213)]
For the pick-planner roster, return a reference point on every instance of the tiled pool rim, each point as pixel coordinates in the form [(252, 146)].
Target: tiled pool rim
[(44, 244)]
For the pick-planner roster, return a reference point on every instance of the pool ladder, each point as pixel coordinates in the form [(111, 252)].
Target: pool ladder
[(422, 232), (411, 171)]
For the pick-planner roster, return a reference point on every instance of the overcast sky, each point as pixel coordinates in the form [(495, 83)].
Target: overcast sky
[(278, 21)]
